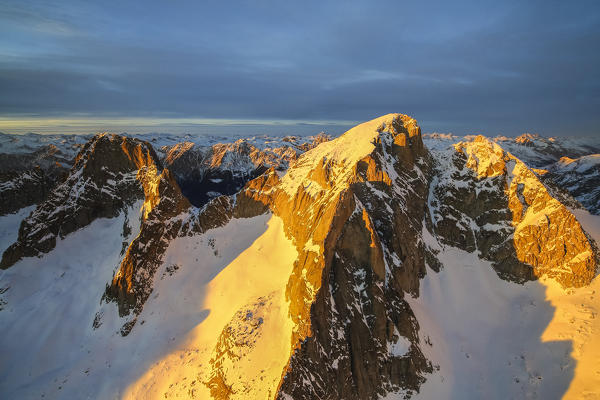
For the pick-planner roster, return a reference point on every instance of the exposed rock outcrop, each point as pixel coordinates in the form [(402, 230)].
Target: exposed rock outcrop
[(354, 209), (487, 200), (132, 284), (172, 216), (109, 173), (346, 203), (359, 212)]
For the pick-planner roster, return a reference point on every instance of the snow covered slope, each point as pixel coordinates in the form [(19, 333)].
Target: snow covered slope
[(231, 281), (55, 346), (496, 339), (49, 347), (487, 336)]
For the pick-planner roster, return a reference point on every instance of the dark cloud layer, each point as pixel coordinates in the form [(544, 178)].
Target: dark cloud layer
[(464, 66)]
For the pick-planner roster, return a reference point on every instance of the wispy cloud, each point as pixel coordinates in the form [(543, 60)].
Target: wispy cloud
[(521, 66)]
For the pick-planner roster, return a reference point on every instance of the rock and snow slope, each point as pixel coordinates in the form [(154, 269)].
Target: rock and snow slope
[(581, 177), (343, 292), (496, 339), (205, 167), (365, 267), (572, 163), (109, 173), (239, 344), (492, 338)]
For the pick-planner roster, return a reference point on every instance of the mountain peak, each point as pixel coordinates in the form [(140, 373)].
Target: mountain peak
[(546, 237), (109, 173), (335, 160), (527, 138)]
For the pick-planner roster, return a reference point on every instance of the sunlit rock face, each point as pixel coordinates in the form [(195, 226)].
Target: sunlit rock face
[(169, 215), (109, 173), (354, 207), (569, 163), (484, 199), (132, 283)]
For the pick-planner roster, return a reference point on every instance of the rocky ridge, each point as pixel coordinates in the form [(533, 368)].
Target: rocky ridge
[(109, 173), (27, 179), (485, 199), (32, 165), (349, 306), (539, 151)]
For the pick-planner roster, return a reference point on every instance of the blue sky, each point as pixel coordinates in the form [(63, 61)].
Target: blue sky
[(464, 67)]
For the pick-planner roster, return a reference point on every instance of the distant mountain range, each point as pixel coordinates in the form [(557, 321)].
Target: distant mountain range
[(384, 263)]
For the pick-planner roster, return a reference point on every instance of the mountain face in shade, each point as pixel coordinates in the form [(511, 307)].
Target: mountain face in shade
[(27, 179), (379, 264), (581, 177), (204, 172)]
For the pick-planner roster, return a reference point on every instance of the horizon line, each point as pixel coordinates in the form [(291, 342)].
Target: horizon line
[(74, 121)]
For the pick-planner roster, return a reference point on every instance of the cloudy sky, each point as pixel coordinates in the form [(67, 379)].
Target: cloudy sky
[(463, 66)]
